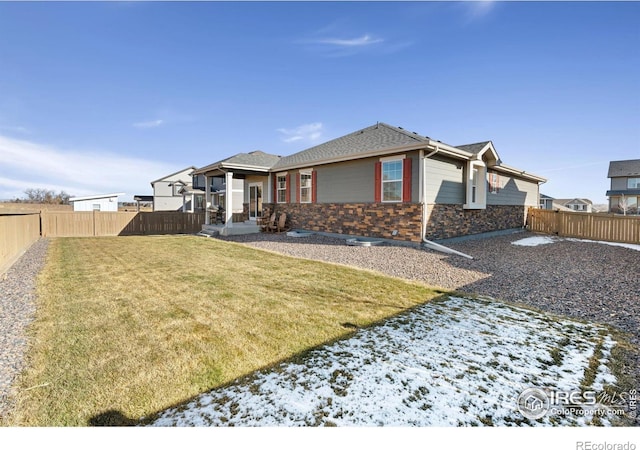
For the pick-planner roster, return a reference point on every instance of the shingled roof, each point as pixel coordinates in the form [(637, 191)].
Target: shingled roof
[(258, 159), (628, 168), (376, 137), (473, 148)]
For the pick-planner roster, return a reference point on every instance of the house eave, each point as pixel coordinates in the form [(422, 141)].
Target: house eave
[(352, 157), (623, 192), (519, 172), (427, 145), (172, 174), (222, 168), (95, 197)]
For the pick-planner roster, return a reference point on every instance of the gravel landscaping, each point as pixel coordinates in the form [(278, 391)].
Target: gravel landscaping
[(584, 280), (17, 310)]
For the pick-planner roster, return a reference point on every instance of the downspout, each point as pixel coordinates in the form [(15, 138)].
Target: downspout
[(430, 244)]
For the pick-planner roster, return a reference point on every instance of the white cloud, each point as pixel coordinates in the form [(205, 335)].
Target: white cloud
[(307, 132), (25, 164), (355, 42), (149, 123)]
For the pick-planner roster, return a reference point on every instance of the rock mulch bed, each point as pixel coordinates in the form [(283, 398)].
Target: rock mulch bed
[(17, 310)]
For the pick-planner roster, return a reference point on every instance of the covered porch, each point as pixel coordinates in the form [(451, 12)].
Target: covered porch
[(235, 190)]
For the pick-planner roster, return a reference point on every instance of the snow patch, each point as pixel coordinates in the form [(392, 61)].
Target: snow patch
[(534, 241), (455, 362), (542, 240)]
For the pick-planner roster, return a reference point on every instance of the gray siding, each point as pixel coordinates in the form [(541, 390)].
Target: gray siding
[(619, 184), (445, 181), (513, 191), (351, 181)]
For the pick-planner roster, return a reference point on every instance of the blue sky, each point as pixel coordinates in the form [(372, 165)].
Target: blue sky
[(103, 97)]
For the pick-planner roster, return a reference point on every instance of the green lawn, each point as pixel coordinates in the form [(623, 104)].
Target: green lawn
[(138, 324)]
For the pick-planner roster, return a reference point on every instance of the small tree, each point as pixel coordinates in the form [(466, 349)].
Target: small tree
[(622, 205)]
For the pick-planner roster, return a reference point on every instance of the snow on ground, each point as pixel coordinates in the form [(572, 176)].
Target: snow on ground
[(534, 241), (541, 240), (454, 362)]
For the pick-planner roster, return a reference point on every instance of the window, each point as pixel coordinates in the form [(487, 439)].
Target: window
[(633, 183), (176, 188), (474, 185), (633, 205), (197, 182), (281, 182), (392, 181), (199, 202), (96, 206), (305, 187), (494, 183)]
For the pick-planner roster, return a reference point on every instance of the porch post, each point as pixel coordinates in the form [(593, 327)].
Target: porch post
[(228, 200), (184, 202), (207, 200)]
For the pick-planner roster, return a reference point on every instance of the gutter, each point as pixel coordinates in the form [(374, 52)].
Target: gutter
[(423, 194)]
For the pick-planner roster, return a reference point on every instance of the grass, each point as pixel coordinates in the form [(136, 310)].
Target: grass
[(128, 326)]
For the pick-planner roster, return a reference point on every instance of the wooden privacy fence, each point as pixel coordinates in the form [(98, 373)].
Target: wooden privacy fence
[(78, 224), (598, 227), (17, 233)]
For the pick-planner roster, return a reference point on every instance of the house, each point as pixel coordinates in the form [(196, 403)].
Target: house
[(573, 204), (624, 195), (546, 202), (381, 181), (101, 202), (167, 191)]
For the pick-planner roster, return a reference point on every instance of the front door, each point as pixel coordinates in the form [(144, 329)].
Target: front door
[(255, 201)]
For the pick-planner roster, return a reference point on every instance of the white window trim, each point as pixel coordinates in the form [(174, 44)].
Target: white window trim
[(281, 174), (308, 172), (382, 181), (481, 186), (494, 188)]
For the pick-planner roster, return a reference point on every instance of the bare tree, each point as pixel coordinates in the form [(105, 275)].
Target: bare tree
[(44, 196), (623, 206)]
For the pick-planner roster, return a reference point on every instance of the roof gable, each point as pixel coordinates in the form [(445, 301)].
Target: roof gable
[(258, 159), (376, 137), (186, 169), (573, 201), (627, 168)]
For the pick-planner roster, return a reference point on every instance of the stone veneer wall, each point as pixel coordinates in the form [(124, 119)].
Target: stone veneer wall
[(447, 221), (361, 219), (380, 219)]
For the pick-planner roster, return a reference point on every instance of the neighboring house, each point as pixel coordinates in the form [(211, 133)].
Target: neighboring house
[(167, 191), (573, 204), (624, 195), (382, 181), (101, 202), (546, 202)]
